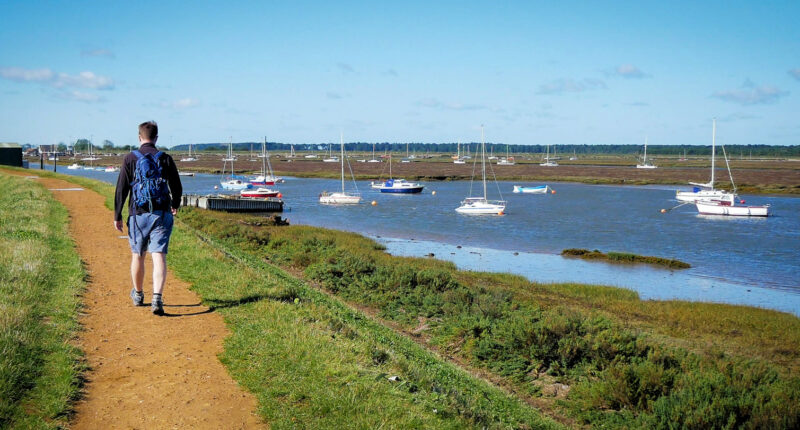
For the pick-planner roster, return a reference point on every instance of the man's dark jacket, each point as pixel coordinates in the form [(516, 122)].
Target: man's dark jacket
[(169, 171)]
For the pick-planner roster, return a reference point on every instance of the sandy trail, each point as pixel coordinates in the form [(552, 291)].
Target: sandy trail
[(146, 371)]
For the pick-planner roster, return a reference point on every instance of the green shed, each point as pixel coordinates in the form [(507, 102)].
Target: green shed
[(10, 154)]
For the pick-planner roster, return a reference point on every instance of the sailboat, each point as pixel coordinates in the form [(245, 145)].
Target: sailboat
[(190, 157), (548, 162), (481, 205), (373, 160), (458, 159), (267, 177), (331, 158), (644, 164), (398, 186), (232, 182), (730, 207), (229, 157), (706, 191), (508, 161), (341, 197), (90, 159)]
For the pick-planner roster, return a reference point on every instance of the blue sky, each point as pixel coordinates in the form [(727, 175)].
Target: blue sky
[(302, 72)]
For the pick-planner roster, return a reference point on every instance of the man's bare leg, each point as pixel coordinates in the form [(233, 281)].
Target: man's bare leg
[(137, 271), (159, 271)]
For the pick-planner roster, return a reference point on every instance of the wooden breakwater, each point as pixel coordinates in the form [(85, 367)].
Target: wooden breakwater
[(226, 203)]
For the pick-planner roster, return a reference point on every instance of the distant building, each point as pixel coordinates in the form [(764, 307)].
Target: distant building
[(11, 154)]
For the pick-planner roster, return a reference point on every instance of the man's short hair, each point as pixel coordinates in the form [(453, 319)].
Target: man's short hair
[(148, 130)]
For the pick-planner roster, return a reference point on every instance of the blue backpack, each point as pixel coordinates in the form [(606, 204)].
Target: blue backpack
[(149, 187)]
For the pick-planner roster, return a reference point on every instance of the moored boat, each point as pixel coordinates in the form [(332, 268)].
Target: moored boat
[(74, 166), (341, 197), (482, 205), (730, 209), (259, 193), (539, 189)]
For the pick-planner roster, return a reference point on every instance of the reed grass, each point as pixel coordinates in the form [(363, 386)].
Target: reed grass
[(41, 278), (624, 257)]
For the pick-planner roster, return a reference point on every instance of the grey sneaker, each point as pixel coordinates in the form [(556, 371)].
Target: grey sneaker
[(157, 306), (138, 298)]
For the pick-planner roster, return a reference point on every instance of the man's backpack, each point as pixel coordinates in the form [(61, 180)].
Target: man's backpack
[(149, 187)]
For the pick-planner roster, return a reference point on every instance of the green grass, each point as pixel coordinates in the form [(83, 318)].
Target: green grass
[(644, 369), (41, 278), (315, 363), (624, 257)]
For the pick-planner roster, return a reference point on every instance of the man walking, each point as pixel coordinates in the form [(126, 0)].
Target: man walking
[(149, 179)]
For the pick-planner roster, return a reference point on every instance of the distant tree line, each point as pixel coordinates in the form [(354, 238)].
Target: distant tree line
[(500, 149)]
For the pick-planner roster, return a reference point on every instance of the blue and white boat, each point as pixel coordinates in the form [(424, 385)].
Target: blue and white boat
[(539, 189), (401, 186), (398, 186)]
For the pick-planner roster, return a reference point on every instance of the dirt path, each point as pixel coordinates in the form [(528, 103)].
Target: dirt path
[(146, 371)]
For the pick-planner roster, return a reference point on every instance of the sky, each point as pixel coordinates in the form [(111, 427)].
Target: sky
[(530, 72)]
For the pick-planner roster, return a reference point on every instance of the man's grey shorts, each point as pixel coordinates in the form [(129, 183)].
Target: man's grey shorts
[(150, 232)]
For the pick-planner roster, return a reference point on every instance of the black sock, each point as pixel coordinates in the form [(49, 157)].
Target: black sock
[(156, 297)]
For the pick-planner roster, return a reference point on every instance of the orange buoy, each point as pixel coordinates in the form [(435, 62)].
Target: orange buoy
[(433, 193), (552, 191), (374, 203), (663, 211), (280, 195)]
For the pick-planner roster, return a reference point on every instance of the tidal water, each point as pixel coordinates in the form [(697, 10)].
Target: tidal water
[(751, 261)]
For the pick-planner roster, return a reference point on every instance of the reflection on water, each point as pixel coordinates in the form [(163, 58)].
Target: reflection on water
[(729, 255)]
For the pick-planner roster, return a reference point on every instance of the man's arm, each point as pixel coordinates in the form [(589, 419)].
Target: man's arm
[(121, 194), (175, 186)]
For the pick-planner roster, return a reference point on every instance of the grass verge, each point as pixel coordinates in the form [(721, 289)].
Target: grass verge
[(624, 257), (41, 278)]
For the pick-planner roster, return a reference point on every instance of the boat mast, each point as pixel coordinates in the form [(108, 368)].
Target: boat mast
[(341, 145), (264, 159), (645, 150), (713, 149), (483, 163)]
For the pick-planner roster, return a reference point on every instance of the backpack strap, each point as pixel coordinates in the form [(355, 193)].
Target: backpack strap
[(138, 154)]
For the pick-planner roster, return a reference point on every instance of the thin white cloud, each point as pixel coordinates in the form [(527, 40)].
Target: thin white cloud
[(438, 104), (18, 74), (628, 71), (80, 96), (58, 80), (97, 53), (751, 94), (795, 73), (180, 104), (84, 80), (561, 86)]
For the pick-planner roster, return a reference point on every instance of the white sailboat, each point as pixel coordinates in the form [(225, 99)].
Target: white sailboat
[(706, 191), (229, 157), (341, 197), (482, 205), (331, 158), (267, 177), (508, 161), (644, 164), (373, 159), (190, 157), (549, 162), (730, 207), (231, 182), (458, 159)]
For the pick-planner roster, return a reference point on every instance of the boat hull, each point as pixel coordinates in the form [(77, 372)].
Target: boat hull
[(531, 190), (261, 193), (703, 195), (481, 207), (406, 190), (720, 208), (339, 199), (235, 185)]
